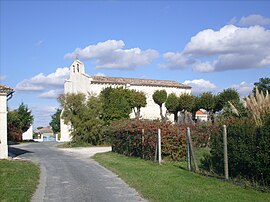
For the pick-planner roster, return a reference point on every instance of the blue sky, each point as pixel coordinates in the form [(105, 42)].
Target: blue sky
[(206, 44)]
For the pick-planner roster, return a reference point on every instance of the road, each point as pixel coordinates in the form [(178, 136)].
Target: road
[(71, 177)]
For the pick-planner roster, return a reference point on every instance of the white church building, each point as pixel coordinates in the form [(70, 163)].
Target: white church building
[(80, 82)]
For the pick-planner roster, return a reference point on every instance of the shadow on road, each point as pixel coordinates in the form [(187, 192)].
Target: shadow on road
[(14, 152)]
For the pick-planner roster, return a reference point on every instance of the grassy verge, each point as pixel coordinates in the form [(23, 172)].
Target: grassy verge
[(170, 183), (18, 180)]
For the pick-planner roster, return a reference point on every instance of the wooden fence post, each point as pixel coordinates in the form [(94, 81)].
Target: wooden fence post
[(142, 144), (159, 146), (192, 150), (188, 150), (226, 169)]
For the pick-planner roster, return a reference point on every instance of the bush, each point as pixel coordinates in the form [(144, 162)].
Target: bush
[(248, 150), (127, 138)]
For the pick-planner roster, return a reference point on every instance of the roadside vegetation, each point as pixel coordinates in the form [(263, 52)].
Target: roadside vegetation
[(169, 182), (18, 180), (105, 120)]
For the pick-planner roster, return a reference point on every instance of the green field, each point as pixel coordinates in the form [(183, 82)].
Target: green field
[(18, 180), (169, 182)]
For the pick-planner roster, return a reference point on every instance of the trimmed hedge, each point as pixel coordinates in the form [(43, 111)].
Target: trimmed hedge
[(127, 138), (248, 150)]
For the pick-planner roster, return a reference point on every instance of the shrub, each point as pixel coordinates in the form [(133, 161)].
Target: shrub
[(127, 138), (248, 150)]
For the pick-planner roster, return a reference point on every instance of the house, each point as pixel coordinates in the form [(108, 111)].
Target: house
[(5, 95), (201, 115), (80, 82), (44, 134)]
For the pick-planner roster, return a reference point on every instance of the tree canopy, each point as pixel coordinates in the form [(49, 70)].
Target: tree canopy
[(19, 121), (263, 85), (55, 122), (159, 98), (172, 105)]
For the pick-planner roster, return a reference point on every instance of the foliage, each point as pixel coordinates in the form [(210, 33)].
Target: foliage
[(159, 98), (84, 115), (172, 105), (128, 138), (248, 150), (137, 100), (258, 105), (171, 183), (18, 122), (226, 95), (263, 85), (116, 104), (186, 104), (55, 122), (18, 180)]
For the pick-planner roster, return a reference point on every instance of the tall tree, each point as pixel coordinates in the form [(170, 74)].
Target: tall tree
[(172, 105), (84, 116), (19, 121), (186, 104), (159, 98), (116, 104), (137, 101), (226, 95), (55, 122), (207, 101), (263, 85)]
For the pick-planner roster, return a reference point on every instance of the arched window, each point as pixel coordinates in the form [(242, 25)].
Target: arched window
[(78, 70), (73, 68)]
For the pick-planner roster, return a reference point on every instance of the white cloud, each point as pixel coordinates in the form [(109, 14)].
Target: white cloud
[(200, 86), (176, 60), (229, 48), (43, 82), (254, 20), (51, 94), (244, 88), (2, 77), (100, 74), (42, 115), (110, 54)]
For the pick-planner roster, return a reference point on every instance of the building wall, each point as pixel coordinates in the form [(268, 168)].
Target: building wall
[(3, 126), (81, 83), (28, 135)]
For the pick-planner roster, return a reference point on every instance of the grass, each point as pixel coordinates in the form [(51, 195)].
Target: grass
[(169, 182), (18, 180)]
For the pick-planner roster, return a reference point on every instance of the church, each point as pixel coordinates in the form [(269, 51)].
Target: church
[(80, 82)]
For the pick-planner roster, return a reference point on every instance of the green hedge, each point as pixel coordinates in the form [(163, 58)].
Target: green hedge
[(248, 150)]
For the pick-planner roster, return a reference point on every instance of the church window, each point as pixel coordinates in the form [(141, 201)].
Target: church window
[(78, 67), (73, 69)]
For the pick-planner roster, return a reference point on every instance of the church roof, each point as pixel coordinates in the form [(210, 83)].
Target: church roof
[(140, 82), (5, 89)]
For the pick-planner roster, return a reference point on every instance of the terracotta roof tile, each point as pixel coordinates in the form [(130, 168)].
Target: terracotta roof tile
[(140, 82), (5, 89)]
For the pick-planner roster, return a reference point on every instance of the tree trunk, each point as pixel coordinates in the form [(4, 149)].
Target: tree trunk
[(161, 114), (176, 117)]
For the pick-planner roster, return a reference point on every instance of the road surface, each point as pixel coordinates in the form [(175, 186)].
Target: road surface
[(70, 175)]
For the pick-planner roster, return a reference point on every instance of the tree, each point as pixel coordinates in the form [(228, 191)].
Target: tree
[(186, 104), (84, 116), (263, 85), (19, 121), (55, 122), (159, 98), (116, 104), (207, 101), (226, 95), (137, 101), (172, 105)]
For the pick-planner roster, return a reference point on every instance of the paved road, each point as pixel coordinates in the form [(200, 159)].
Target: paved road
[(66, 176)]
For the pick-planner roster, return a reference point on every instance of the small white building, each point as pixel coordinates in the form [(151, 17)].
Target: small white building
[(5, 94), (28, 135), (80, 82), (201, 115)]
